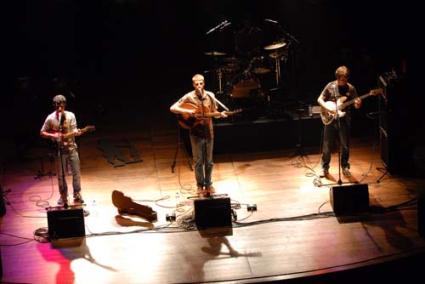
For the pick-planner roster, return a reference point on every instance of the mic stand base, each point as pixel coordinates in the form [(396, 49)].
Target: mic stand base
[(385, 172)]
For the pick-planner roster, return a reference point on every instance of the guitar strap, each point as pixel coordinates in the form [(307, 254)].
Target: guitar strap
[(336, 92)]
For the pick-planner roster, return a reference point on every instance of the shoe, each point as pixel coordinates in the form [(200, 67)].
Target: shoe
[(200, 191), (324, 173), (210, 190), (346, 172), (63, 200), (78, 198)]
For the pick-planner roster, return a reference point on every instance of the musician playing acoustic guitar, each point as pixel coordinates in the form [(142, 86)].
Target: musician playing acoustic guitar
[(200, 105), (61, 126), (334, 94)]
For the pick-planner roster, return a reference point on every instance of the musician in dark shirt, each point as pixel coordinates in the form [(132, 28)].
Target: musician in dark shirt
[(337, 123)]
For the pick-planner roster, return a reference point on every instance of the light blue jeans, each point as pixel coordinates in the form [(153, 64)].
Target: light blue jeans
[(202, 147), (71, 158)]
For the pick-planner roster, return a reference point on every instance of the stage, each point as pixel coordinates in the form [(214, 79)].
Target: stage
[(294, 235)]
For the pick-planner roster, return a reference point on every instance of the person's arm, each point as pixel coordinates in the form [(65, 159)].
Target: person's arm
[(51, 135), (177, 109), (321, 100), (357, 100), (74, 130), (47, 131)]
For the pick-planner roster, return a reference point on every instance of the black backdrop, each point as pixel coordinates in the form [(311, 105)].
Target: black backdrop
[(134, 55)]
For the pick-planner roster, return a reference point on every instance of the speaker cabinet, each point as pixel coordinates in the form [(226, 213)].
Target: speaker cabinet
[(213, 212), (421, 212), (349, 199), (65, 223)]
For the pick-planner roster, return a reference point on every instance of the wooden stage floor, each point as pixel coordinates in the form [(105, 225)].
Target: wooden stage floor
[(293, 234)]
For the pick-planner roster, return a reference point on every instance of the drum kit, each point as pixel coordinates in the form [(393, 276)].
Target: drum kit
[(249, 73), (245, 82)]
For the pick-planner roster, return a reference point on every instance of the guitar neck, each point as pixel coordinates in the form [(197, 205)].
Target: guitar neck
[(346, 104), (216, 113)]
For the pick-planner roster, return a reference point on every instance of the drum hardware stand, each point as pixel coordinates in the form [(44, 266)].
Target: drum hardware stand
[(299, 146), (277, 71), (220, 80), (384, 171)]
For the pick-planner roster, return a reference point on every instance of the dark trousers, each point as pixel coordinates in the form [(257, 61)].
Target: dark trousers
[(330, 134)]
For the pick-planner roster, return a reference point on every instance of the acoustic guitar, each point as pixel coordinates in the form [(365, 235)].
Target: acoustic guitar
[(340, 105), (188, 121)]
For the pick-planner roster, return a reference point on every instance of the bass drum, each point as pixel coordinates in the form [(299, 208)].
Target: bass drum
[(245, 87), (246, 94)]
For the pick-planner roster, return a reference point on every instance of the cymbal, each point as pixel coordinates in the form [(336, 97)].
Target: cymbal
[(214, 53), (275, 46)]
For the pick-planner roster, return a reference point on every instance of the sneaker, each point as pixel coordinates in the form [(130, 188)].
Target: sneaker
[(62, 200), (200, 191), (78, 198), (324, 173), (210, 190), (346, 172)]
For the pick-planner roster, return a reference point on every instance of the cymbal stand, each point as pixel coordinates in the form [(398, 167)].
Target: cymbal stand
[(220, 80), (277, 71)]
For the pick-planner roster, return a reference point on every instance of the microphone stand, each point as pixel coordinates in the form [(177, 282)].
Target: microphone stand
[(60, 157), (204, 144), (338, 122)]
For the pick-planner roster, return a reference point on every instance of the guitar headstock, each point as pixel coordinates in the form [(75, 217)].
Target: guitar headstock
[(234, 111), (88, 128)]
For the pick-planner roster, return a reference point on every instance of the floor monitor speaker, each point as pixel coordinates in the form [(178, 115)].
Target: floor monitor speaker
[(349, 199), (213, 212), (65, 223)]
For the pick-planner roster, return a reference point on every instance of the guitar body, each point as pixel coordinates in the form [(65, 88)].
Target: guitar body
[(187, 121), (327, 116)]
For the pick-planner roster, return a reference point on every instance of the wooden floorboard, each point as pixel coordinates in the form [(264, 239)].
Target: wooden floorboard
[(293, 233)]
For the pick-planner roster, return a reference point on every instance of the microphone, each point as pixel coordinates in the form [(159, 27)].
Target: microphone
[(199, 94), (271, 21), (226, 24), (61, 121), (61, 118), (219, 26)]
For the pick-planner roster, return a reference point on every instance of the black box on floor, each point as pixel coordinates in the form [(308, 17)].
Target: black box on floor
[(421, 212), (349, 199), (212, 213), (65, 223)]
